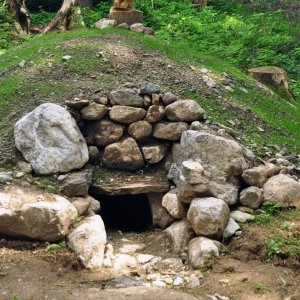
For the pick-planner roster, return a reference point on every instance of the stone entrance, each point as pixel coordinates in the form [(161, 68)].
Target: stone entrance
[(126, 212)]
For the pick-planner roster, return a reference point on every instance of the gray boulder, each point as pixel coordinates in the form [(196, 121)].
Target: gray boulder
[(126, 114), (88, 241), (50, 140), (218, 163), (283, 190), (36, 215), (123, 155), (208, 216), (184, 110), (125, 97)]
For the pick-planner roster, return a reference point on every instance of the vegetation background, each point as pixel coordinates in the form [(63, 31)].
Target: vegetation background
[(245, 33)]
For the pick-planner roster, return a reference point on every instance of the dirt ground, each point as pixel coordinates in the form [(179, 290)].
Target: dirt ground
[(29, 271)]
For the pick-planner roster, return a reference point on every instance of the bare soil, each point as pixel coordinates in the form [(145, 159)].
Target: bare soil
[(29, 271)]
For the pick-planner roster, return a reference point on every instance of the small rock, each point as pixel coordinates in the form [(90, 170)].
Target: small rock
[(22, 63), (6, 177), (169, 131), (19, 174), (158, 283), (155, 113), (126, 114), (169, 98), (93, 112), (241, 217), (77, 184), (193, 282), (125, 97), (140, 130), (24, 167), (137, 27), (123, 25), (154, 153), (178, 281), (184, 110), (144, 258), (66, 57), (148, 88), (131, 248), (175, 207), (231, 228), (155, 99), (82, 204), (105, 23), (93, 154), (202, 249)]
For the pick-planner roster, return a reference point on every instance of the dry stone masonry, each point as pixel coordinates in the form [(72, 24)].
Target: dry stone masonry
[(214, 181)]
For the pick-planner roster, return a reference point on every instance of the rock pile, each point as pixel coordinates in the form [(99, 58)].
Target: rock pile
[(134, 128), (211, 172)]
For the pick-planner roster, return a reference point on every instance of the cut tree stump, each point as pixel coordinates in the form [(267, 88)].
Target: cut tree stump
[(126, 16), (275, 78)]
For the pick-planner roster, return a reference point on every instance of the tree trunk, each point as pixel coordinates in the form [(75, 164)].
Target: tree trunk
[(20, 14), (62, 17)]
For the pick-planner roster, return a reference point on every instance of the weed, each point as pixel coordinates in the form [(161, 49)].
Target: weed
[(258, 287), (54, 248)]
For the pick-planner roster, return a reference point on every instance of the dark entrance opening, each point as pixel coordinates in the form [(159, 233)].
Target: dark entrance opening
[(126, 212)]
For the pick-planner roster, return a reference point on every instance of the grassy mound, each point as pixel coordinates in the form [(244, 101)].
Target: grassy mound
[(104, 59)]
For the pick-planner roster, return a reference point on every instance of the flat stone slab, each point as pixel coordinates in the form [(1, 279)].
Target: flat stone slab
[(122, 183)]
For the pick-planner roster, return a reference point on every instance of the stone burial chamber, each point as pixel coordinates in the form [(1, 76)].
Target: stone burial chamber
[(133, 160)]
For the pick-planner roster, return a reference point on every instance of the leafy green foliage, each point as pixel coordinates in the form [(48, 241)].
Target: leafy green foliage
[(269, 209), (258, 287), (230, 31), (6, 23), (42, 17), (54, 248)]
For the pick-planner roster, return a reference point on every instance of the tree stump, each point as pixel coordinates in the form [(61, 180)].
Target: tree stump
[(275, 78), (129, 17)]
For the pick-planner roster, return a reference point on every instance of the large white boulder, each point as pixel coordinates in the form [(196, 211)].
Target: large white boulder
[(50, 140), (88, 241), (282, 189), (36, 215), (208, 216), (208, 164)]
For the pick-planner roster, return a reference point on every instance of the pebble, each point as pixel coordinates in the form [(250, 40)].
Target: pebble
[(177, 281), (6, 177), (158, 283), (66, 57), (193, 282)]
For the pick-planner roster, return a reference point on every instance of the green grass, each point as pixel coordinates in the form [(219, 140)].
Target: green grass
[(279, 118)]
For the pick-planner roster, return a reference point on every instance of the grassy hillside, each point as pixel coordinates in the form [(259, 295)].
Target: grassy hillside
[(260, 118)]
